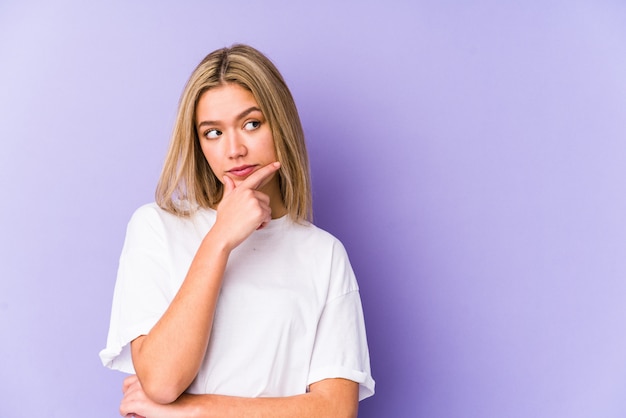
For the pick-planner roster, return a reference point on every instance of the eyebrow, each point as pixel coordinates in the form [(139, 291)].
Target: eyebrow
[(238, 117)]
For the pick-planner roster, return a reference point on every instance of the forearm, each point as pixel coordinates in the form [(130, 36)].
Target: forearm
[(336, 398), (300, 406), (168, 358)]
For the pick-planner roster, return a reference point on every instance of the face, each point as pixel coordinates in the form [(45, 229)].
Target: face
[(235, 137)]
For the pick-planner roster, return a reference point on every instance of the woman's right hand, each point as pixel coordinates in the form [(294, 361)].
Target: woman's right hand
[(243, 208)]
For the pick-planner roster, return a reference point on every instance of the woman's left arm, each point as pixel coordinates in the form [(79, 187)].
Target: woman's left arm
[(336, 398)]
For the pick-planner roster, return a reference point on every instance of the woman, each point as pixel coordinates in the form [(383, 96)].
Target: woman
[(228, 302)]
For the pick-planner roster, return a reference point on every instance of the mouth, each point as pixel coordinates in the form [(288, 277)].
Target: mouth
[(242, 171)]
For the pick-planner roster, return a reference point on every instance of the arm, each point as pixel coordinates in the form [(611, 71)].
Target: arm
[(336, 398), (167, 359)]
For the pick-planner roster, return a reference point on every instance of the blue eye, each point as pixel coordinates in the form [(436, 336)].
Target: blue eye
[(252, 125), (212, 133)]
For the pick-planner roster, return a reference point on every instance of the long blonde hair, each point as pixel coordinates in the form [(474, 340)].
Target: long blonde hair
[(187, 180)]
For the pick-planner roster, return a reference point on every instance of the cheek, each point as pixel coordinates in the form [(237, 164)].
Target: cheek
[(209, 154), (270, 146), (213, 162)]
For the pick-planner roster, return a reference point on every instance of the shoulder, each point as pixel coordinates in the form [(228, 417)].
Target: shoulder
[(153, 214), (149, 212), (146, 226), (330, 255), (146, 219), (305, 229), (317, 237), (151, 222)]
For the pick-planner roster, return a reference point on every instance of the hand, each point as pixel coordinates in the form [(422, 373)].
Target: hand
[(244, 208), (135, 403)]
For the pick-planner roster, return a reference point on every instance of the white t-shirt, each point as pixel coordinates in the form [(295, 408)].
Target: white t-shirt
[(288, 315)]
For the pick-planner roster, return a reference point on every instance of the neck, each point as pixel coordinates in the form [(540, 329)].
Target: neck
[(278, 212), (272, 189)]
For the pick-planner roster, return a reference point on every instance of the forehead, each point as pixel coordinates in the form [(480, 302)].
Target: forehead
[(224, 101)]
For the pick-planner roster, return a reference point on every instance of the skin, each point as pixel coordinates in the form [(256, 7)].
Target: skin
[(234, 133), (237, 143), (327, 398)]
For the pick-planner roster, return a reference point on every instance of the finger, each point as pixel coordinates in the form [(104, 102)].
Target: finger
[(262, 198), (260, 177), (267, 218), (263, 202), (229, 185), (128, 382)]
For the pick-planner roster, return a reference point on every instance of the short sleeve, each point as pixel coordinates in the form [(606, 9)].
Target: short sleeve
[(142, 289), (340, 349)]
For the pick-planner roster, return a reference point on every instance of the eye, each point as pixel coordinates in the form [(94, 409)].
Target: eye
[(251, 125), (212, 133)]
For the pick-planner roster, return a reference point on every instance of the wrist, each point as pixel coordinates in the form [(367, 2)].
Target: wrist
[(218, 241)]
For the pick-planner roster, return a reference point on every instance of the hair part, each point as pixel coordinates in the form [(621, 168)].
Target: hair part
[(187, 181)]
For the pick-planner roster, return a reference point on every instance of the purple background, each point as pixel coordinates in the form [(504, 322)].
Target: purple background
[(471, 156)]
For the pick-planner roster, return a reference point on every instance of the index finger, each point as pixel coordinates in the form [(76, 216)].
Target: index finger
[(128, 382), (260, 177)]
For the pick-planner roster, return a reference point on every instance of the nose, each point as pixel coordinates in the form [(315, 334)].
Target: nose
[(235, 145)]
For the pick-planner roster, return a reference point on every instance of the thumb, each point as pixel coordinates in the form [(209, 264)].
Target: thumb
[(229, 185)]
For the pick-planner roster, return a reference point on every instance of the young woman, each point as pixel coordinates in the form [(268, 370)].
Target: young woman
[(228, 301)]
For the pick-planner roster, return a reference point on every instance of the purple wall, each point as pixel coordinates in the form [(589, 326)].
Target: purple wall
[(471, 156)]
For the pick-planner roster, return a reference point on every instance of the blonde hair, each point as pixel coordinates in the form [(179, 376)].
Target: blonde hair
[(187, 181)]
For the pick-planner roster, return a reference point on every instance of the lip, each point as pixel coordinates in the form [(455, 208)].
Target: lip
[(242, 170)]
